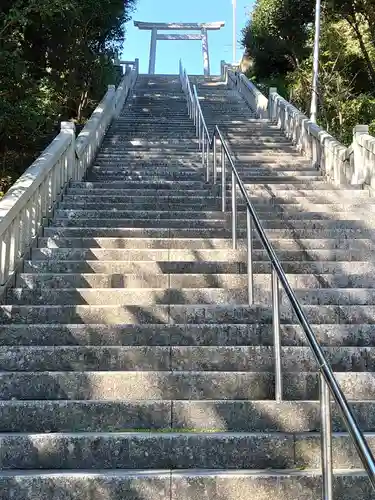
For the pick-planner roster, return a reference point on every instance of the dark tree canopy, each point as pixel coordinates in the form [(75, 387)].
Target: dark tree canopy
[(55, 63)]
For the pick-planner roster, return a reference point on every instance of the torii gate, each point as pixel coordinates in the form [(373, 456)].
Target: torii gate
[(202, 27)]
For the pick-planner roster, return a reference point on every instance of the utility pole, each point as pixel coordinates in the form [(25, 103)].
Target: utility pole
[(315, 79), (234, 3)]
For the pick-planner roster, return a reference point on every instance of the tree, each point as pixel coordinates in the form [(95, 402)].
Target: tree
[(283, 33), (55, 62)]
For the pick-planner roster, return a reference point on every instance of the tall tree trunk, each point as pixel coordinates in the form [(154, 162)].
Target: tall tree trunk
[(354, 24)]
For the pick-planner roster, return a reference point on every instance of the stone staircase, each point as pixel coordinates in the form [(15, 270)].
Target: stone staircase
[(131, 366)]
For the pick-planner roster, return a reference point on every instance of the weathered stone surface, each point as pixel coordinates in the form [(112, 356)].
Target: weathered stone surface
[(146, 451), (135, 385), (129, 345), (84, 416), (115, 484)]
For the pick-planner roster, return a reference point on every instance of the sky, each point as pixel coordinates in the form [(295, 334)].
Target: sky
[(137, 43)]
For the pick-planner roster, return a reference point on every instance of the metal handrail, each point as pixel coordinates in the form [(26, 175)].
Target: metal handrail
[(328, 383)]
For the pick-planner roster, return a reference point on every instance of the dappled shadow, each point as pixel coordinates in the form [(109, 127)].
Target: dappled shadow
[(180, 358)]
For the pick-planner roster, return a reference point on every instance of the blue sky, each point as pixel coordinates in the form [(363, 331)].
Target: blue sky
[(137, 43)]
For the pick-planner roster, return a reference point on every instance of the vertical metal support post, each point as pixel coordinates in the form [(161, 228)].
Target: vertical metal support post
[(203, 149), (207, 159), (234, 211), (250, 275), (214, 153), (326, 439), (199, 133), (223, 181), (276, 336)]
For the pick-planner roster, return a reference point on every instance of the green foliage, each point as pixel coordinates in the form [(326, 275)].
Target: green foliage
[(281, 32), (55, 63)]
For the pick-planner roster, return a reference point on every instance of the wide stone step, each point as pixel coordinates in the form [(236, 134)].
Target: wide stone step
[(143, 450), (149, 177), (203, 221), (192, 255), (180, 314), (217, 415), (144, 268), (120, 185), (199, 232), (149, 297), (116, 213), (150, 385), (339, 335), (265, 194), (134, 191), (247, 177), (184, 167), (147, 197), (207, 243), (213, 295), (149, 142), (262, 282), (174, 450), (180, 485), (177, 358), (189, 185), (146, 232), (211, 204)]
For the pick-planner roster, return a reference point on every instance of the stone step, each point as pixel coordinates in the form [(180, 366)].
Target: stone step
[(262, 282), (211, 204), (256, 176), (148, 385), (148, 197), (177, 385), (149, 297), (135, 191), (190, 185), (148, 415), (144, 268), (339, 335), (219, 221), (267, 194), (180, 485), (194, 255), (208, 243), (174, 450), (115, 213), (199, 232), (145, 167), (181, 358), (171, 314), (214, 295), (99, 176), (124, 185), (149, 142), (266, 213), (173, 223)]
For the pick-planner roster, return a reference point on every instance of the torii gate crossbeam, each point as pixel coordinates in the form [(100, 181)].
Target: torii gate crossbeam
[(202, 27)]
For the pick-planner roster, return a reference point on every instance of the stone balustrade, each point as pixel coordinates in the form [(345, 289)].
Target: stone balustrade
[(340, 165), (31, 200)]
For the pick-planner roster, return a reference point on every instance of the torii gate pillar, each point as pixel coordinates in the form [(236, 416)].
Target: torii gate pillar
[(206, 54), (203, 28), (152, 61)]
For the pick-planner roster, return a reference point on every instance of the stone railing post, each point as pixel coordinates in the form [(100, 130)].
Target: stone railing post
[(69, 128), (137, 66), (271, 111), (359, 175), (112, 93)]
